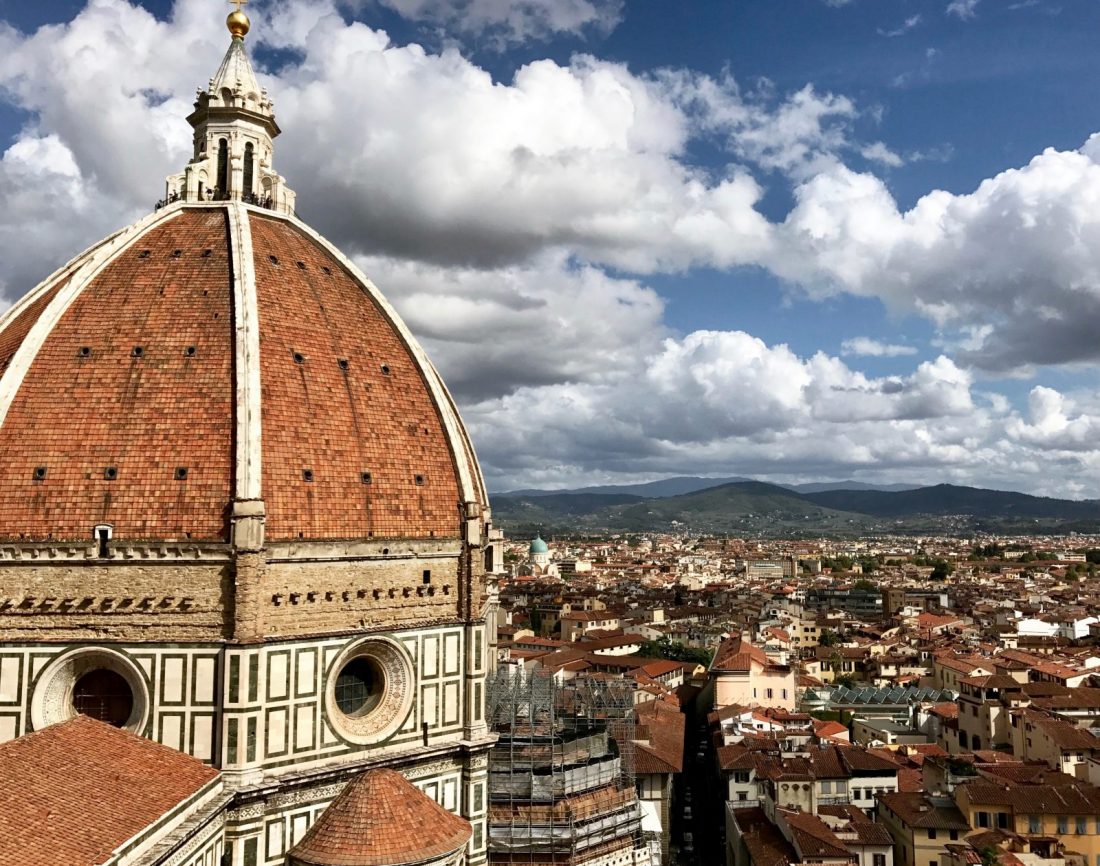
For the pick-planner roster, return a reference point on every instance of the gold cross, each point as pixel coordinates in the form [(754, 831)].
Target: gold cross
[(239, 3)]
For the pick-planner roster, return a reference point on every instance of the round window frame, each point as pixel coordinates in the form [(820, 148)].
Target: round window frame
[(52, 698), (395, 703)]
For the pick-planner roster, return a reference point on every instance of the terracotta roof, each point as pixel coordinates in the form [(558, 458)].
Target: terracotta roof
[(1036, 799), (380, 819), (766, 845), (963, 665), (812, 838), (737, 654), (74, 792), (664, 752), (910, 780), (828, 729), (345, 391), (918, 809), (1063, 734)]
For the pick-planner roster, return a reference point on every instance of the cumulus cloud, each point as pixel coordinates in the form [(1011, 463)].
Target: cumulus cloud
[(547, 323), (511, 21), (1055, 424), (726, 402), (870, 347), (1014, 266)]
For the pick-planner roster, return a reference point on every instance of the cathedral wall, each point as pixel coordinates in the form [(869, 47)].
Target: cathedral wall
[(263, 710), (279, 709), (156, 601), (318, 597), (176, 690), (203, 849)]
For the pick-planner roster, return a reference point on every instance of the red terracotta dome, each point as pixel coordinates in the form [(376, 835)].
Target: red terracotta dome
[(215, 352), (381, 819)]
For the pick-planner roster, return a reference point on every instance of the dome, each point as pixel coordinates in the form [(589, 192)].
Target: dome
[(539, 546), (381, 819), (218, 353)]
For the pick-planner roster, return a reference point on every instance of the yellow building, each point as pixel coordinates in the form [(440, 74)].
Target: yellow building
[(920, 825), (1068, 813)]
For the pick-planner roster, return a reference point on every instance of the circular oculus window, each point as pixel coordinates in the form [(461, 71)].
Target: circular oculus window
[(93, 681), (369, 690)]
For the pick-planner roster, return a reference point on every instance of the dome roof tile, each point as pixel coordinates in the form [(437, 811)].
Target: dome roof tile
[(381, 819), (135, 367)]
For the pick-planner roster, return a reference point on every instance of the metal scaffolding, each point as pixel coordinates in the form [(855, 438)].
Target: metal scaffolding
[(561, 776)]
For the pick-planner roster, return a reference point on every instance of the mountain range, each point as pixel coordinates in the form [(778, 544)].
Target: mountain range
[(746, 507), (691, 483)]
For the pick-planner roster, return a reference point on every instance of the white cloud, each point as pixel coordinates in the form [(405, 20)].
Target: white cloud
[(963, 9), (727, 403), (1013, 267), (903, 28), (547, 323), (797, 135), (511, 21), (1052, 426), (869, 347), (880, 153)]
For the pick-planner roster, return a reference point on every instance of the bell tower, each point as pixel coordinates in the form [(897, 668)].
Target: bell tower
[(234, 123)]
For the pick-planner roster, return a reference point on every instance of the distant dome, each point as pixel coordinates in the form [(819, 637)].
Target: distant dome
[(539, 546)]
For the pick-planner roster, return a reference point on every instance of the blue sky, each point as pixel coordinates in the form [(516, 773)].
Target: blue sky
[(798, 240)]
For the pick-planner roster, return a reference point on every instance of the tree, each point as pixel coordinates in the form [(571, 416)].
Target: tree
[(828, 637), (866, 585), (990, 855), (676, 651), (868, 563), (942, 570)]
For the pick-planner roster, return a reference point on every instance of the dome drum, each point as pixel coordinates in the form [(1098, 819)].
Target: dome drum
[(302, 413)]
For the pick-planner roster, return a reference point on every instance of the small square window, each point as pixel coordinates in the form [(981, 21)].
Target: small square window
[(181, 473), (307, 474), (110, 473)]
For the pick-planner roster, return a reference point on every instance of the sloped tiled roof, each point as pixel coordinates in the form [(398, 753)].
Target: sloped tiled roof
[(918, 809), (1037, 799), (812, 839), (74, 792), (380, 819), (664, 753)]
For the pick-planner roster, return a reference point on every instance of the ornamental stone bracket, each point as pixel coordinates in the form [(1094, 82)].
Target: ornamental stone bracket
[(247, 520), (168, 552)]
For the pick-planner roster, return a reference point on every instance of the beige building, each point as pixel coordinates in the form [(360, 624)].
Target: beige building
[(920, 825), (742, 674), (1036, 736), (1068, 813)]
